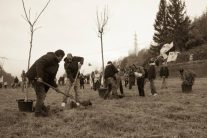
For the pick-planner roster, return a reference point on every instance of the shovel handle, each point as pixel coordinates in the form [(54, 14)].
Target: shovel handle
[(57, 90)]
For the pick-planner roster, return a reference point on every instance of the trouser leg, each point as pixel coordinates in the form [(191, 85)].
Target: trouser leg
[(40, 96), (152, 86), (67, 90), (121, 87)]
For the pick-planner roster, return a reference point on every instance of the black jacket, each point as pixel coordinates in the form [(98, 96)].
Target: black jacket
[(45, 67), (71, 67), (151, 72), (110, 71), (164, 72)]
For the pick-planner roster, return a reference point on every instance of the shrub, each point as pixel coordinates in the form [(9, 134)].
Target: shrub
[(187, 76)]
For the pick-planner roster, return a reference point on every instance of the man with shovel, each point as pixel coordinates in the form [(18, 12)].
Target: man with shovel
[(72, 66), (44, 70)]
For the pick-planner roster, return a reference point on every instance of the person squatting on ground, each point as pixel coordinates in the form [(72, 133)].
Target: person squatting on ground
[(140, 75), (152, 76), (164, 73), (110, 79), (72, 65), (44, 69), (23, 76)]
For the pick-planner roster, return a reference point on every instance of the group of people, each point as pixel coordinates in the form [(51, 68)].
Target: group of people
[(135, 74), (44, 71)]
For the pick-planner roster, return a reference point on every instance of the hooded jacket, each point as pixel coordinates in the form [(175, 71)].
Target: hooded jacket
[(71, 67)]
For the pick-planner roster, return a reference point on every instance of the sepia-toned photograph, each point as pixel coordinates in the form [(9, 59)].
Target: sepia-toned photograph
[(103, 68)]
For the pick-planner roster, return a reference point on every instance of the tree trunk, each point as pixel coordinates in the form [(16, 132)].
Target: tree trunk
[(30, 50), (101, 36)]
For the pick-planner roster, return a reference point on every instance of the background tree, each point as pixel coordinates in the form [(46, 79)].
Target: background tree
[(32, 26), (178, 24), (161, 33)]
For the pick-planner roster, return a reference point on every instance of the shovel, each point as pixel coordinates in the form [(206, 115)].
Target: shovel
[(74, 103)]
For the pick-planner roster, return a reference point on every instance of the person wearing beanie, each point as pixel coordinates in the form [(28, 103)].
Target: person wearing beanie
[(72, 66), (44, 70)]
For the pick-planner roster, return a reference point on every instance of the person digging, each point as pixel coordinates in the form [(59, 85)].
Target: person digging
[(44, 70), (72, 66)]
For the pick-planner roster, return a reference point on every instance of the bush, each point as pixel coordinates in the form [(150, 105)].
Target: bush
[(199, 53), (188, 77), (194, 43)]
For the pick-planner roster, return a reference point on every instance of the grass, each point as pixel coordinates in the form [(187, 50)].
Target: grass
[(172, 114)]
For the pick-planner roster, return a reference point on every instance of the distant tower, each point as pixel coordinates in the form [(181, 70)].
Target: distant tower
[(135, 45)]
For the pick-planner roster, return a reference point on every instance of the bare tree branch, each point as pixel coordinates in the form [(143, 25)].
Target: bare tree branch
[(24, 18), (25, 12), (29, 13), (102, 20), (41, 12), (35, 29), (98, 22)]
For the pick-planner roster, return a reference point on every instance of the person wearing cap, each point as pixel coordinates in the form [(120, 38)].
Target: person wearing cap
[(44, 70), (110, 78), (151, 76), (164, 73), (72, 65)]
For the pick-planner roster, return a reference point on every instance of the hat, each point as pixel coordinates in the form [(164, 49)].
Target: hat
[(69, 56), (59, 52), (109, 62)]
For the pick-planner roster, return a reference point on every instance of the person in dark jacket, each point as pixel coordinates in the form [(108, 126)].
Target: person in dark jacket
[(140, 75), (131, 76), (72, 65), (16, 82), (164, 73), (82, 81), (44, 70), (110, 78), (152, 76)]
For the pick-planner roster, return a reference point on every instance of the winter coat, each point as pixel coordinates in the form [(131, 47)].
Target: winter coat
[(71, 67), (110, 71), (45, 67), (140, 69), (164, 72)]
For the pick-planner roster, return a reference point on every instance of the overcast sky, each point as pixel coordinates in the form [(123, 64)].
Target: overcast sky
[(71, 25)]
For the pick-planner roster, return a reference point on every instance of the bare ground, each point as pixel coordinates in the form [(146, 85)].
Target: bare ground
[(171, 114)]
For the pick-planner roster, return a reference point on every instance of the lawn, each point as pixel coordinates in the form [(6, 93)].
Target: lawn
[(171, 114)]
